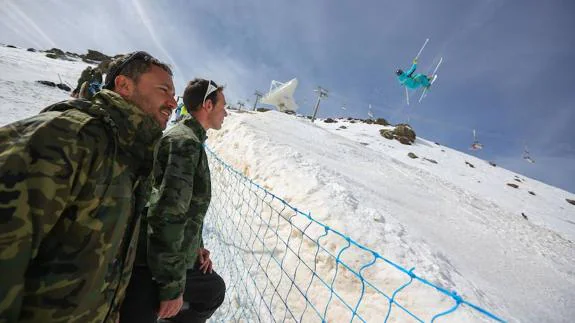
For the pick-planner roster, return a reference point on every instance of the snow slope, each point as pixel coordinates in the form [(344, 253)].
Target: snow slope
[(461, 227), (20, 95)]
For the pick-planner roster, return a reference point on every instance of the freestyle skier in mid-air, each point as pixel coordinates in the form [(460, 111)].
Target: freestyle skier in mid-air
[(412, 80)]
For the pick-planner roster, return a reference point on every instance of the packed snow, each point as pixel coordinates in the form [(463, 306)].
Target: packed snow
[(450, 215)]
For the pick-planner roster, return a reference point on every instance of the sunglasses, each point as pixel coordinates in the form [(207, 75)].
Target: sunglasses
[(212, 87), (111, 77)]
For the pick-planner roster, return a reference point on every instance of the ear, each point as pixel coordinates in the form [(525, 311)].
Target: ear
[(208, 105), (123, 85)]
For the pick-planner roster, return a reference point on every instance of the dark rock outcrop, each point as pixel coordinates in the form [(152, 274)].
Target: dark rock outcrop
[(95, 55), (61, 86), (56, 51), (381, 122), (387, 133), (47, 83), (64, 87), (402, 133), (403, 130)]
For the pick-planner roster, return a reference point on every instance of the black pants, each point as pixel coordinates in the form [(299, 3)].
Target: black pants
[(203, 294)]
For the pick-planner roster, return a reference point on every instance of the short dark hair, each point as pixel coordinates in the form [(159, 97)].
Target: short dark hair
[(132, 65), (195, 91)]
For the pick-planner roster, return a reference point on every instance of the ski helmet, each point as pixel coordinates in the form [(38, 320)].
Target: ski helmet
[(399, 71)]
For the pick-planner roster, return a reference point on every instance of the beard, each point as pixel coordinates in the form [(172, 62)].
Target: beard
[(137, 99), (143, 103)]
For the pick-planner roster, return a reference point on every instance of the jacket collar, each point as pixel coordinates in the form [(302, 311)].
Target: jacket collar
[(137, 132), (192, 123)]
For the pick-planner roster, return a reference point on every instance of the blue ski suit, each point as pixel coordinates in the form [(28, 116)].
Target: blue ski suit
[(413, 81)]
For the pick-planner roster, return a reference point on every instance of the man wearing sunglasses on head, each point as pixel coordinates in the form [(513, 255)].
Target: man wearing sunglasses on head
[(68, 209), (173, 278)]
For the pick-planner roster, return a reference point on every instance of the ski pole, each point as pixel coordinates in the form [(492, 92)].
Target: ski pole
[(421, 50)]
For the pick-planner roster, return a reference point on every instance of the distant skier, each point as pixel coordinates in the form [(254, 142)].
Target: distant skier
[(412, 80)]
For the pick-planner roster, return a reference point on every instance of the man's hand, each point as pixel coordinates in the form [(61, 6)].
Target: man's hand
[(205, 261), (415, 61), (170, 308)]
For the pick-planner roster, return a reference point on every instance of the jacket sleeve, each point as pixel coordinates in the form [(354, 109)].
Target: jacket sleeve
[(177, 161), (38, 176), (411, 70)]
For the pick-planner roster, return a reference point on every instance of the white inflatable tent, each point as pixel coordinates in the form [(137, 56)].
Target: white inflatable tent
[(280, 95)]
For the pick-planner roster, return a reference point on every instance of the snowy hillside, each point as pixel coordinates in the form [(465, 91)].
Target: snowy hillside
[(20, 95), (459, 226), (462, 227)]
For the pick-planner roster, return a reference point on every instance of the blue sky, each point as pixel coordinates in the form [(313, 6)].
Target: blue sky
[(507, 71)]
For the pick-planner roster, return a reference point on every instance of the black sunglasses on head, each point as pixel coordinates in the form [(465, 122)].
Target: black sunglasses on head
[(111, 76)]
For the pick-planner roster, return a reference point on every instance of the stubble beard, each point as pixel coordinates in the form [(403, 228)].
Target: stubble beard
[(138, 100)]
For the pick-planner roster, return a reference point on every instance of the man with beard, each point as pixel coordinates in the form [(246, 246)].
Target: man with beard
[(69, 183)]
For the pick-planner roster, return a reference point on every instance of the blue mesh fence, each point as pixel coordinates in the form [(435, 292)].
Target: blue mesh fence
[(280, 264)]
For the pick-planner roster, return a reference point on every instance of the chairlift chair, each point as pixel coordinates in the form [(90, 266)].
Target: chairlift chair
[(476, 145)]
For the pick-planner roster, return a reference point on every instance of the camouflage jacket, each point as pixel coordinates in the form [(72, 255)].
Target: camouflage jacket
[(67, 220), (180, 198)]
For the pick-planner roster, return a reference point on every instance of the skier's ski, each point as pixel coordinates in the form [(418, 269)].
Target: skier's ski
[(407, 94), (434, 77), (424, 93), (437, 66)]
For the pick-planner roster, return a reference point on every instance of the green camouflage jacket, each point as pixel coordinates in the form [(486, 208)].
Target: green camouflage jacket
[(68, 229), (180, 198)]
